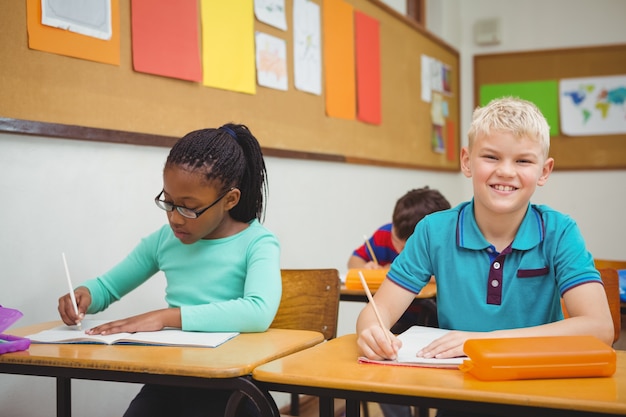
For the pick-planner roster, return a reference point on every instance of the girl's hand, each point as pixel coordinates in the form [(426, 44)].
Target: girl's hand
[(66, 307), (373, 344), (146, 322), (450, 345)]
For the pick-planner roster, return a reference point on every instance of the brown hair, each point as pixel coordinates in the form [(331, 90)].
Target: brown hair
[(413, 207)]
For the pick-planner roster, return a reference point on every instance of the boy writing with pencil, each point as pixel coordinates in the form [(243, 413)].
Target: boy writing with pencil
[(387, 242), (502, 264)]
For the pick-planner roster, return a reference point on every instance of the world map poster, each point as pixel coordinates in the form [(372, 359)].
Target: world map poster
[(593, 105)]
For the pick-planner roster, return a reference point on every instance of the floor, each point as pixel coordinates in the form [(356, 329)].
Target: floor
[(308, 405), (309, 408)]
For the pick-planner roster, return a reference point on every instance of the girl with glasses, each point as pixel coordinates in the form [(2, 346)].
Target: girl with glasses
[(221, 265)]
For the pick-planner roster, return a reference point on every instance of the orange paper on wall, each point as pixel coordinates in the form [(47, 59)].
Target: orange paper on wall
[(338, 29), (367, 40), (451, 144), (63, 42)]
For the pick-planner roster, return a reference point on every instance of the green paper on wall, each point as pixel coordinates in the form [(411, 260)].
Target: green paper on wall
[(545, 94)]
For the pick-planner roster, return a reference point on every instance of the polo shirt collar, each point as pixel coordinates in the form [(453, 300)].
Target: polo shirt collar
[(469, 236)]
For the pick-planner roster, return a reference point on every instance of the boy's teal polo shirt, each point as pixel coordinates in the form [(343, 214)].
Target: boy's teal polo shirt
[(479, 289)]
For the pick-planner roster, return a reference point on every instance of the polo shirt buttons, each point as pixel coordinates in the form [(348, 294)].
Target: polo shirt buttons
[(494, 283), (496, 265)]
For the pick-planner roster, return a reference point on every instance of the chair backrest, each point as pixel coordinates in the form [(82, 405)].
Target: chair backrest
[(610, 278), (608, 263), (310, 301), (614, 301)]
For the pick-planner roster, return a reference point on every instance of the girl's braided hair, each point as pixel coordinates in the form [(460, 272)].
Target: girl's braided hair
[(231, 157)]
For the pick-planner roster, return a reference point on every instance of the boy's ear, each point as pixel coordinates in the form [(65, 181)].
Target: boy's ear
[(232, 198), (465, 162), (548, 166)]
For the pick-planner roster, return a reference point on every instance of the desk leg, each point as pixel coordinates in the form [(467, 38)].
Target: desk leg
[(353, 408), (327, 407), (64, 397)]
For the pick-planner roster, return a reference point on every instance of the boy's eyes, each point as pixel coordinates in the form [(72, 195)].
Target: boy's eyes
[(519, 161)]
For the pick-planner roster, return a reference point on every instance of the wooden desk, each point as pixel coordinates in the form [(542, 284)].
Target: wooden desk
[(428, 292), (330, 370), (226, 367)]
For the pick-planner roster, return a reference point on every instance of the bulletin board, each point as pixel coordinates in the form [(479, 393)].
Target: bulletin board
[(592, 152), (54, 95)]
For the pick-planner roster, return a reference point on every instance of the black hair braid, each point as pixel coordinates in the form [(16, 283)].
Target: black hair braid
[(230, 161), (253, 183)]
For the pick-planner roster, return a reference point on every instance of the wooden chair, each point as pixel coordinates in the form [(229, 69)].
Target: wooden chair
[(610, 279), (310, 301), (618, 265), (606, 263)]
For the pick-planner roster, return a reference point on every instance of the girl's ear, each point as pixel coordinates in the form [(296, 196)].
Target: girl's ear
[(465, 162), (232, 198)]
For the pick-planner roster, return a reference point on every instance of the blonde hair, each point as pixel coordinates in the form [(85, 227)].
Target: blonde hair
[(511, 114)]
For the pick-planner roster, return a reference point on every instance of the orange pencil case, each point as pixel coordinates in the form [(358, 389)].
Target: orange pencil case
[(538, 357), (373, 278)]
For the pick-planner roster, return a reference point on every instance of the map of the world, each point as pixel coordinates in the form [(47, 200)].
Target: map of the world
[(593, 106)]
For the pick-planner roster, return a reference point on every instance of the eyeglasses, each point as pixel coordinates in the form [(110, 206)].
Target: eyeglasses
[(182, 210)]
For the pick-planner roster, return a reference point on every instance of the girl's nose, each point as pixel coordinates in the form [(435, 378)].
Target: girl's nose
[(175, 217)]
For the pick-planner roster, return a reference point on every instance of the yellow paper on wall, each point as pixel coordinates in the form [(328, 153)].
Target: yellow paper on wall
[(228, 45)]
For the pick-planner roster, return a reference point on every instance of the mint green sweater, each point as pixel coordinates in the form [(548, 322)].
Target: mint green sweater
[(229, 284)]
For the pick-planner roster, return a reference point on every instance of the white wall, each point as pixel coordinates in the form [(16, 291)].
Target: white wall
[(94, 200), (398, 5)]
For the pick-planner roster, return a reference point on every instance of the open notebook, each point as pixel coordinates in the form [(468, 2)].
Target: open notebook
[(165, 337), (414, 339)]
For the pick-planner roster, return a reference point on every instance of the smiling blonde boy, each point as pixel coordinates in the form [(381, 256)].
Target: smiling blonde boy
[(502, 264)]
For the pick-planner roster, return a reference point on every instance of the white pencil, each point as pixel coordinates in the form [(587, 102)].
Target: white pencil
[(369, 297), (69, 283)]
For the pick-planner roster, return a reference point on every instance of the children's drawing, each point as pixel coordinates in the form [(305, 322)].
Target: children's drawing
[(87, 17), (271, 12), (271, 61), (306, 45)]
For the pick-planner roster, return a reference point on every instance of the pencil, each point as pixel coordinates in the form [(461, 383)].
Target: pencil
[(369, 248), (371, 299), (69, 283)]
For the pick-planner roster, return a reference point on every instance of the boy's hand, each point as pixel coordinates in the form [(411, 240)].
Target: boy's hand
[(66, 307), (372, 265), (373, 344), (449, 345)]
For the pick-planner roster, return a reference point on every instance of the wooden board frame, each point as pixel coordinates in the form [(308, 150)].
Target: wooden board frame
[(570, 153)]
